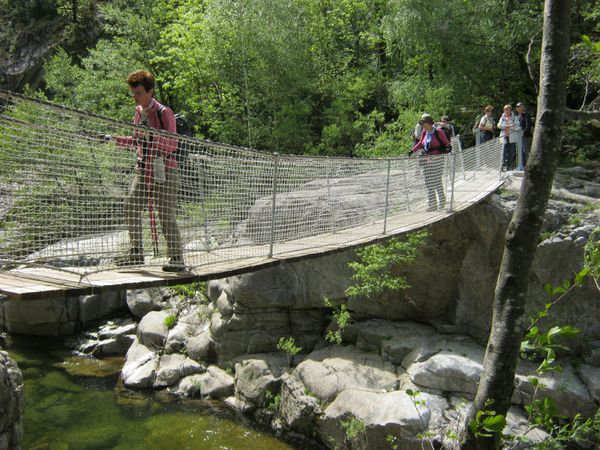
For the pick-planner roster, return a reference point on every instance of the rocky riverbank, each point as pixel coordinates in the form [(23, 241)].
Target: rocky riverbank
[(11, 403), (427, 341)]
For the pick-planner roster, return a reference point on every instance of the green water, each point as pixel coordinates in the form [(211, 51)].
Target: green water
[(74, 403)]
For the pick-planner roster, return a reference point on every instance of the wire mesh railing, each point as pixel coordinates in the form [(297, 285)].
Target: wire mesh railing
[(66, 193)]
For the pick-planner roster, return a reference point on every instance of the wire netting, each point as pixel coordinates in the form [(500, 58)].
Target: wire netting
[(67, 193)]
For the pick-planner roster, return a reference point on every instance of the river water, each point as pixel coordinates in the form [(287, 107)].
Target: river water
[(77, 403)]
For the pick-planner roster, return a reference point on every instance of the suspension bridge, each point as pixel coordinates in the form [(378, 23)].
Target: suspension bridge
[(65, 180)]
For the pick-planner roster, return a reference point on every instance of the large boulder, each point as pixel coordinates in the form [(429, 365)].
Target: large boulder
[(141, 364), (362, 419), (299, 284), (256, 376), (58, 316), (214, 383), (12, 403)]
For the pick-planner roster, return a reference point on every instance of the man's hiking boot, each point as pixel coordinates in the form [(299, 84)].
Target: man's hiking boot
[(133, 258), (174, 265)]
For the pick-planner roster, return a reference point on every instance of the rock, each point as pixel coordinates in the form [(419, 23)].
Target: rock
[(190, 386), (224, 305), (591, 377), (152, 330), (255, 376), (200, 347), (299, 284), (517, 425), (141, 301), (214, 288), (12, 403), (393, 339), (117, 328), (377, 416), (112, 338), (177, 337), (565, 388), (114, 346), (456, 366), (173, 367), (140, 366), (214, 383), (298, 407), (258, 331), (327, 372), (580, 307)]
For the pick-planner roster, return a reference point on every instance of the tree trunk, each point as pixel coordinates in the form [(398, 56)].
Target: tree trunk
[(508, 324)]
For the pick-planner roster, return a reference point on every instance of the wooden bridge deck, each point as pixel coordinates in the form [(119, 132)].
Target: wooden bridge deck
[(41, 282)]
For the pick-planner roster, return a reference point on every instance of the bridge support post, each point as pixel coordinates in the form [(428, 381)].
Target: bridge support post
[(330, 202), (387, 195), (275, 171), (453, 176)]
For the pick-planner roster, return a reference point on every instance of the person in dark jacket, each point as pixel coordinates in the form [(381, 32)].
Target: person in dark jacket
[(432, 143), (527, 130)]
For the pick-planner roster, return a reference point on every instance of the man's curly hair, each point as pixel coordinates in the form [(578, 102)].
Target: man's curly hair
[(141, 78)]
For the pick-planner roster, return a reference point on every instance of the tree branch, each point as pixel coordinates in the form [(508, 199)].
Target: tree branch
[(534, 79), (573, 114)]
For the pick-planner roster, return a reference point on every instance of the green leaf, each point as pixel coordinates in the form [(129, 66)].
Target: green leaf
[(494, 424)]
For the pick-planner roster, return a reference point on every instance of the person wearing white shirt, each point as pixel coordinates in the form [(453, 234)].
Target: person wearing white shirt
[(510, 134)]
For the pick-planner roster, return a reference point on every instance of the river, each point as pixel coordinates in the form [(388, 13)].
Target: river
[(74, 402)]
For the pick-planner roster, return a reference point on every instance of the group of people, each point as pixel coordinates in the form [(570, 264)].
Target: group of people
[(515, 132)]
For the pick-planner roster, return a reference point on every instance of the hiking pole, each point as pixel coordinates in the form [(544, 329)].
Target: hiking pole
[(153, 230)]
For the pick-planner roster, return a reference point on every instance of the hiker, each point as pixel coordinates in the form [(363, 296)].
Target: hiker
[(487, 125), (526, 127), (156, 179), (433, 143), (448, 127), (417, 130), (510, 133)]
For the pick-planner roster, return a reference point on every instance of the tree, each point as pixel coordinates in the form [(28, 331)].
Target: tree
[(502, 352)]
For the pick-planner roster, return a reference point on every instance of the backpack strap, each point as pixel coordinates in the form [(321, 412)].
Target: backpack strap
[(437, 135), (161, 108)]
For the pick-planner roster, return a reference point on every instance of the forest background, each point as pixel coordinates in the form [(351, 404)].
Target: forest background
[(319, 77)]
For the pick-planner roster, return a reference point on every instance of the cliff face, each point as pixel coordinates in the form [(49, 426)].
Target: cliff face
[(30, 34), (12, 403), (452, 283), (22, 62)]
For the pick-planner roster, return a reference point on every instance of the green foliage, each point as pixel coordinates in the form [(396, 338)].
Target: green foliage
[(303, 76), (289, 347), (341, 317), (353, 428), (542, 346), (272, 401), (393, 441), (488, 424), (374, 269), (190, 290), (579, 142), (170, 321), (418, 405)]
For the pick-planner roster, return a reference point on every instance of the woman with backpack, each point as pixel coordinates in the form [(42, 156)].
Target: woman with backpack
[(433, 142)]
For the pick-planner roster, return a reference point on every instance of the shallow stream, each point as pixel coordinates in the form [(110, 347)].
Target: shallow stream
[(75, 402)]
